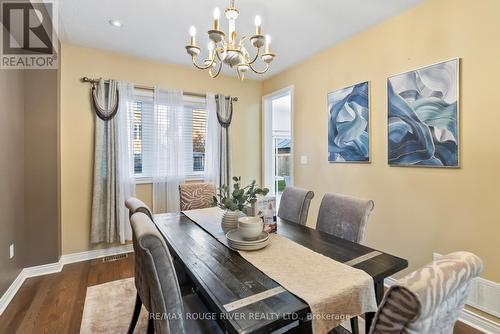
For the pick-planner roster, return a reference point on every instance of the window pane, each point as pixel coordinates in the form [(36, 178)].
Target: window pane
[(137, 137), (199, 139)]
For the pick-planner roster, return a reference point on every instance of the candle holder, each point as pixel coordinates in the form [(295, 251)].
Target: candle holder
[(216, 36), (258, 41), (268, 57), (193, 50)]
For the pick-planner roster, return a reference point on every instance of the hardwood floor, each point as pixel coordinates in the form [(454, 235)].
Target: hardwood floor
[(54, 303)]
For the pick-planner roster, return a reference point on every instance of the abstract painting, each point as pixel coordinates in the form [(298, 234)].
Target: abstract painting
[(349, 124), (423, 116)]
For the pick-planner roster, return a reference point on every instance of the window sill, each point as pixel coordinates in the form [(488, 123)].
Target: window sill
[(143, 180), (188, 179)]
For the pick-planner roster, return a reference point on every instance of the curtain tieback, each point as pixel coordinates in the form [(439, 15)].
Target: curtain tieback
[(228, 106), (101, 112)]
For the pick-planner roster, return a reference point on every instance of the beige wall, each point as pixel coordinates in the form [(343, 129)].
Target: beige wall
[(417, 211), (77, 125), (11, 174)]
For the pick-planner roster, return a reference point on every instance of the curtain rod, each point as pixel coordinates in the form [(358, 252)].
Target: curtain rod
[(95, 81)]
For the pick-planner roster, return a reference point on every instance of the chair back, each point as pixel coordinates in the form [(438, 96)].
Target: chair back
[(294, 205), (134, 205), (155, 273), (344, 216), (430, 299), (196, 195)]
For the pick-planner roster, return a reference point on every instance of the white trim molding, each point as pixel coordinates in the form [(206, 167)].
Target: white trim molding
[(468, 317), (56, 267), (95, 254)]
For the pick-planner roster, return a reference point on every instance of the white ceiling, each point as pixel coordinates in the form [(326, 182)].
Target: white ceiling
[(159, 29)]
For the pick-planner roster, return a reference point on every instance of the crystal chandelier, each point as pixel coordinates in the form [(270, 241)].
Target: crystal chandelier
[(231, 51)]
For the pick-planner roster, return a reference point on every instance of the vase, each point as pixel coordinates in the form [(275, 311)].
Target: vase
[(230, 220)]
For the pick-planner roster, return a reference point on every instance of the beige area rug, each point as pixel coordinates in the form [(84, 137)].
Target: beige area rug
[(109, 307)]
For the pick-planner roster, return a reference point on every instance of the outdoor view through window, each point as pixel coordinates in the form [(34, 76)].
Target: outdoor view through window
[(142, 137)]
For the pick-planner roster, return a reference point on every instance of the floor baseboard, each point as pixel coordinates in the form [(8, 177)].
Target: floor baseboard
[(11, 291), (56, 267), (95, 254), (467, 317)]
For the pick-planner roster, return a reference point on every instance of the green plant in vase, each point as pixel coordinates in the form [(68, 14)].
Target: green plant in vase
[(235, 200)]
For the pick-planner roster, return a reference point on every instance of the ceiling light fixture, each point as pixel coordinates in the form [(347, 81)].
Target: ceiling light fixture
[(115, 23), (231, 51)]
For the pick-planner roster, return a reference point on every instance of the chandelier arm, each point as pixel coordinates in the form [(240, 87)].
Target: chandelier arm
[(217, 73), (202, 67), (255, 58), (257, 71), (217, 54), (242, 40)]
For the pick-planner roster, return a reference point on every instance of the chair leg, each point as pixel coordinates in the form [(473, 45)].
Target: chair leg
[(151, 328), (135, 316), (354, 325)]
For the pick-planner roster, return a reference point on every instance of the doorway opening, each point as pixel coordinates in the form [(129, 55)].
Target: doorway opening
[(278, 141)]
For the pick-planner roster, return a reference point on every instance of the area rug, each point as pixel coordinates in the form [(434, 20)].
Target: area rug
[(108, 308)]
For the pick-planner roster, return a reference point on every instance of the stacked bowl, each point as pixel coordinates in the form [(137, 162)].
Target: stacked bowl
[(249, 235)]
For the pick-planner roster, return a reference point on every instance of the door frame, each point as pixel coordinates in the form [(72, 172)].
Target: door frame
[(267, 163)]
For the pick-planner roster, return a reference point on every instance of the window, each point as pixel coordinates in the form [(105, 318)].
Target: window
[(142, 136), (196, 122)]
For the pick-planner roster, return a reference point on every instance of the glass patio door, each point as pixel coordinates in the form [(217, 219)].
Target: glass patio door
[(277, 141)]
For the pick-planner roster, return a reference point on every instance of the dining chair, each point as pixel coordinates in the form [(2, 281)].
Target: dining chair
[(196, 195), (344, 216), (428, 300), (158, 288), (134, 205), (294, 205)]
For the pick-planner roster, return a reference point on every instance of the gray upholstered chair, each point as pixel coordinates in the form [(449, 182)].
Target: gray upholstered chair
[(196, 195), (158, 288), (430, 299), (136, 205), (344, 216), (294, 205)]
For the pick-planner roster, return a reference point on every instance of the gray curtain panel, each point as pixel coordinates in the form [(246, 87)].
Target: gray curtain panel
[(224, 115), (113, 171)]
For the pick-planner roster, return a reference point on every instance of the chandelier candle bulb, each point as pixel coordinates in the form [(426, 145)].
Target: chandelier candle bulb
[(268, 44), (258, 24), (216, 18), (192, 32)]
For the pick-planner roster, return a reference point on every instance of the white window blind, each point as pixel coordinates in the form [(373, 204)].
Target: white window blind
[(194, 127)]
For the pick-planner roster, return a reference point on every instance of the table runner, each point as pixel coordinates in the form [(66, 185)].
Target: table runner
[(334, 291)]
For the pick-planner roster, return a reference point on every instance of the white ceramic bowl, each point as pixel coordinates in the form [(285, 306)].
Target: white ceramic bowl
[(250, 227), (248, 221)]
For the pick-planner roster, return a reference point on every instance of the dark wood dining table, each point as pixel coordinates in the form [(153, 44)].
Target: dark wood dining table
[(242, 297)]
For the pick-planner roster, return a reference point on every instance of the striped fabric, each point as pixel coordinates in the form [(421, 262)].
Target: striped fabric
[(430, 299), (196, 195)]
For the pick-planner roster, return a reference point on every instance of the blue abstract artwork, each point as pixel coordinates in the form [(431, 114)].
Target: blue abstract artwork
[(423, 116), (349, 124)]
